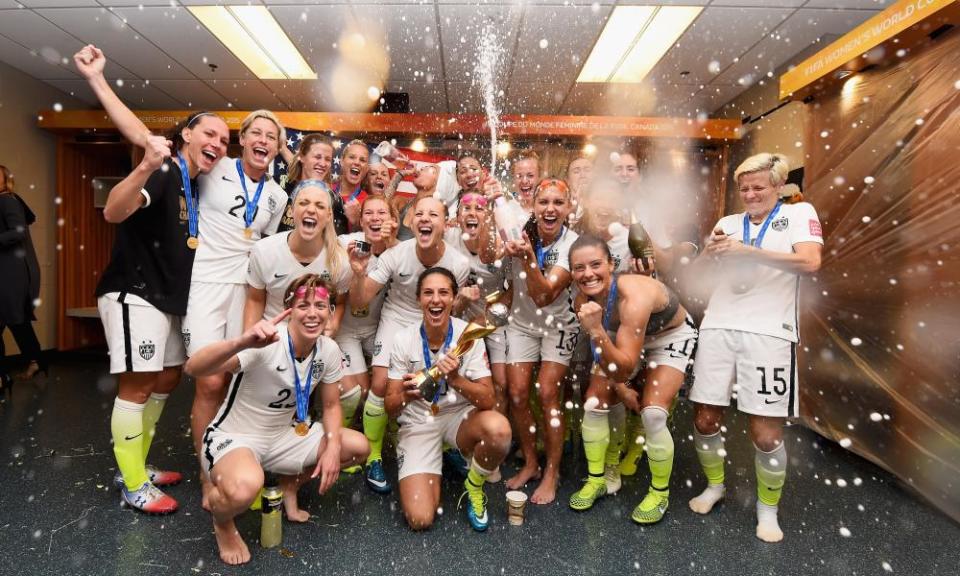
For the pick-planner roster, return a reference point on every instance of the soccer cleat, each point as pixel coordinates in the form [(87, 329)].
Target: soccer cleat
[(651, 509), (148, 499), (584, 498), (155, 476), (476, 506), (376, 478), (611, 476), (454, 459)]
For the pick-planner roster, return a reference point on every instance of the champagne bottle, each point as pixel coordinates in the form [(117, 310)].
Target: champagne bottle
[(507, 223), (639, 242)]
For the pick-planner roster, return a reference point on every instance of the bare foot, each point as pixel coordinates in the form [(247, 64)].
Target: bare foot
[(205, 487), (526, 474), (293, 511), (546, 492), (707, 499), (233, 550)]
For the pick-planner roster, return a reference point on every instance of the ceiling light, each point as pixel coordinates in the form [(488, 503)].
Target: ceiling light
[(503, 148), (418, 145), (589, 149), (634, 39), (257, 40)]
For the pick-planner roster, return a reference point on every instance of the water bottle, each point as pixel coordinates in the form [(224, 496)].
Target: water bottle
[(271, 527)]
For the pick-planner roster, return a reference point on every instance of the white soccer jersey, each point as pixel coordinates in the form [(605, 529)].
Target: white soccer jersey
[(400, 267), (273, 267), (407, 358), (365, 321), (620, 250), (262, 396), (448, 189), (489, 277), (761, 299), (222, 254), (526, 314)]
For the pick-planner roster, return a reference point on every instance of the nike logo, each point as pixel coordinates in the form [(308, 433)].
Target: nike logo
[(227, 179), (402, 275), (281, 369), (132, 437), (773, 402), (279, 275)]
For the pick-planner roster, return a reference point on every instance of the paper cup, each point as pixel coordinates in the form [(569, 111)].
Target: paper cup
[(516, 506)]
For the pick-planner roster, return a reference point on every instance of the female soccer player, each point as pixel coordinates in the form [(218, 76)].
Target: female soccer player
[(313, 161), (749, 332), (544, 330), (626, 316), (399, 267), (142, 294), (264, 424), (349, 190), (460, 413), (358, 328)]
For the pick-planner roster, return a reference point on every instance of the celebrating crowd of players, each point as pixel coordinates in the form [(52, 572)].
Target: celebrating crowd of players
[(336, 283)]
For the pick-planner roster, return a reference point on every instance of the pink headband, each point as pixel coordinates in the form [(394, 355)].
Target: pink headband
[(319, 292), (472, 197)]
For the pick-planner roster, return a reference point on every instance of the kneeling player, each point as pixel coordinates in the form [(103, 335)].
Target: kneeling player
[(460, 414), (263, 423)]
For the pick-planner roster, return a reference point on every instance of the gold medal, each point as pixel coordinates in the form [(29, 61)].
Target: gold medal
[(248, 233), (301, 428), (435, 408), (193, 242)]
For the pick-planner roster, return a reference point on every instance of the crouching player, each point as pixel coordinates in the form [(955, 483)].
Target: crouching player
[(461, 413), (263, 423)]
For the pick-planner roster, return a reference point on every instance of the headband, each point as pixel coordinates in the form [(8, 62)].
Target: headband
[(196, 117), (319, 292), (312, 183), (474, 197)]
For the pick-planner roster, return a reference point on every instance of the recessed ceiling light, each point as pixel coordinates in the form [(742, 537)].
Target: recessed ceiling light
[(634, 39), (257, 40)]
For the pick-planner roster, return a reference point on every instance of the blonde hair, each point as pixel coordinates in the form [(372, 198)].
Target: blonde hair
[(268, 115), (335, 254), (526, 155), (295, 173), (776, 165)]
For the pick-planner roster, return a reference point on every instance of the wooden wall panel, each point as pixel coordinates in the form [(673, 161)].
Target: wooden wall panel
[(84, 238)]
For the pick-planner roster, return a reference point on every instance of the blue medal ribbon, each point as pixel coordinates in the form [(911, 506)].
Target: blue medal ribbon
[(763, 229), (427, 362), (193, 210), (303, 392), (538, 247), (251, 207), (607, 314)]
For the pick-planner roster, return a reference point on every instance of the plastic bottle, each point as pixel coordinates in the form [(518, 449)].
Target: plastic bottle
[(271, 526), (507, 224)]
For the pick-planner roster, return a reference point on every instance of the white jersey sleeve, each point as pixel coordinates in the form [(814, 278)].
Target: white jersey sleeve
[(448, 190), (332, 361), (386, 265), (400, 358), (808, 228), (251, 358)]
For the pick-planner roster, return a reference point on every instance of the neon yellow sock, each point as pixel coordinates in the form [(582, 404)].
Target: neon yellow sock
[(596, 438), (151, 414), (617, 422), (374, 426), (659, 446), (126, 426), (349, 401), (771, 474), (477, 474), (710, 452)]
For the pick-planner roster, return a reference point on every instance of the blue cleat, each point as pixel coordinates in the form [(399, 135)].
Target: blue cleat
[(476, 506), (376, 478)]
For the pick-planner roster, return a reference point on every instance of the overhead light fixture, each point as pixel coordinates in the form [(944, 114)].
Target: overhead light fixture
[(589, 149), (418, 145), (634, 39), (257, 40), (503, 148)]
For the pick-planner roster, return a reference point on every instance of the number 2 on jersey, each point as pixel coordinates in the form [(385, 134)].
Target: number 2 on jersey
[(241, 206), (284, 395)]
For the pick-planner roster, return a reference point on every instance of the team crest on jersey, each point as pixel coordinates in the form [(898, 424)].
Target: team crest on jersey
[(272, 204), (317, 370), (780, 224), (325, 276), (186, 338), (616, 261), (183, 209), (550, 259), (377, 347), (147, 349)]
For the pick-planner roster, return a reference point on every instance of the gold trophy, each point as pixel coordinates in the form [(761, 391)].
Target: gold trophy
[(496, 314)]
